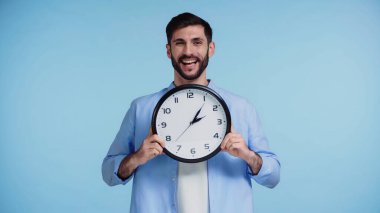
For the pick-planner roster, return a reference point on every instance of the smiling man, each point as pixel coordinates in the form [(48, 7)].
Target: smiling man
[(189, 50), (220, 184)]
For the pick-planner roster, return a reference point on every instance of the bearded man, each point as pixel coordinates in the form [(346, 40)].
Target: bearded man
[(162, 184)]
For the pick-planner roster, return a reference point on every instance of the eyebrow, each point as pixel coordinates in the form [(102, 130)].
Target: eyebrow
[(197, 39), (193, 39), (178, 40)]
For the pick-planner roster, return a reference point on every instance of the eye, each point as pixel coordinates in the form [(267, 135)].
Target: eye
[(177, 43), (197, 43)]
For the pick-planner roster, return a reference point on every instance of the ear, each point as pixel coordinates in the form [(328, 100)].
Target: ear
[(211, 49), (168, 51)]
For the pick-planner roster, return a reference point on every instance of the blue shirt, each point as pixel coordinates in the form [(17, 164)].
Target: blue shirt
[(229, 178)]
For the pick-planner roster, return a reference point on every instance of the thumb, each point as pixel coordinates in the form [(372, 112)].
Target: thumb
[(233, 130), (150, 131)]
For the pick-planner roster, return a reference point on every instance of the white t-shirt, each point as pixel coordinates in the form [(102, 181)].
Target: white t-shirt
[(192, 193)]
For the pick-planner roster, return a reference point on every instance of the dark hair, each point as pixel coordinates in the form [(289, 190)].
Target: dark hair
[(187, 19)]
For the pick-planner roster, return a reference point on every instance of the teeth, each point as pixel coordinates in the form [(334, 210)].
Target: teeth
[(189, 61)]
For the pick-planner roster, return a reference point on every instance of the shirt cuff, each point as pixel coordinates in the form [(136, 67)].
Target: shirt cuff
[(265, 168), (116, 178), (269, 174)]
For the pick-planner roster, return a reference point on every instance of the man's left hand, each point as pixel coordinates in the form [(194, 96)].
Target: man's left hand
[(235, 145)]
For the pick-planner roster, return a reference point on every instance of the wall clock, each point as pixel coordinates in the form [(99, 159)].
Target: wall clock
[(192, 120)]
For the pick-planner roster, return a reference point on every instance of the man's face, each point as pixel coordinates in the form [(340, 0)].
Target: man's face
[(189, 51)]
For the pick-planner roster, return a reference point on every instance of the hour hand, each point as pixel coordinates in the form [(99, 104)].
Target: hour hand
[(196, 119)]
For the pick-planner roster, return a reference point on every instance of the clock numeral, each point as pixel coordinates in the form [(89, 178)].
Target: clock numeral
[(167, 110), (163, 125), (190, 95), (168, 138), (219, 121), (216, 135), (192, 151), (179, 147), (215, 108), (204, 98), (207, 146), (176, 100)]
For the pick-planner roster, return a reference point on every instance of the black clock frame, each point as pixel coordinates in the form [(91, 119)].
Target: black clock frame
[(185, 87)]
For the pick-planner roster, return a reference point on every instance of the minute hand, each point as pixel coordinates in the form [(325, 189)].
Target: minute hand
[(182, 132), (196, 119)]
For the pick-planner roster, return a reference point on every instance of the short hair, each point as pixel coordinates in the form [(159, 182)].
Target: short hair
[(184, 20)]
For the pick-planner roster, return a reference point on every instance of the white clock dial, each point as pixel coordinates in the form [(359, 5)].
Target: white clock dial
[(192, 120)]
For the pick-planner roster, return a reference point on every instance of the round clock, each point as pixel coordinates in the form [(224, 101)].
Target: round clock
[(192, 120)]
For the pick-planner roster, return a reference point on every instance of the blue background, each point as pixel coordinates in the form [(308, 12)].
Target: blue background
[(69, 70)]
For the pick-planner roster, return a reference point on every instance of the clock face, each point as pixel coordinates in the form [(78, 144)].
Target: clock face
[(192, 120)]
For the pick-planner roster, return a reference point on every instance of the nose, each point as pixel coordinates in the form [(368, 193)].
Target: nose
[(188, 50)]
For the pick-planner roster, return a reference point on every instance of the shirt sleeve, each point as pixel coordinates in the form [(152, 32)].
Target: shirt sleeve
[(122, 146), (269, 174)]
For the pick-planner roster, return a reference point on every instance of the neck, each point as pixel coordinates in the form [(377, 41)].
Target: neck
[(202, 80)]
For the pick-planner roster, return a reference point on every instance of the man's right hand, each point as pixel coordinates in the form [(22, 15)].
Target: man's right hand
[(151, 147)]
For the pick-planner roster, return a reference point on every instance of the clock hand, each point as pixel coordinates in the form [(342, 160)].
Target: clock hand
[(195, 120), (182, 133)]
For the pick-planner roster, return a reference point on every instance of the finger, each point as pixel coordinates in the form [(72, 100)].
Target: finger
[(153, 144), (233, 145), (234, 138), (227, 138), (150, 131), (152, 138), (228, 144), (233, 130), (156, 139), (158, 147), (154, 152), (225, 141)]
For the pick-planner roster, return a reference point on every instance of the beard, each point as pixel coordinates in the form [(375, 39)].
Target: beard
[(202, 66)]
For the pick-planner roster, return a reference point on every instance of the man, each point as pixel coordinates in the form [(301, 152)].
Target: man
[(161, 184)]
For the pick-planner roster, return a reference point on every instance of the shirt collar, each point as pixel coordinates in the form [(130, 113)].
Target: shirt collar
[(210, 84)]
